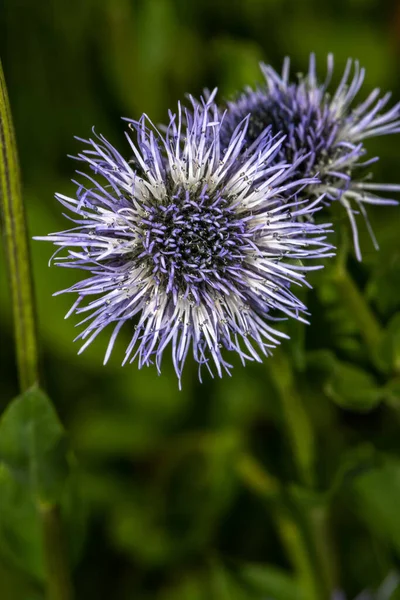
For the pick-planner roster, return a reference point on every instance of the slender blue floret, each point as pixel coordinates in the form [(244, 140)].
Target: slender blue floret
[(330, 129), (192, 246)]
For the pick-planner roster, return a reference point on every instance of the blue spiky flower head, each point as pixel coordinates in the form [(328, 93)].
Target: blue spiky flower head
[(329, 128), (193, 247)]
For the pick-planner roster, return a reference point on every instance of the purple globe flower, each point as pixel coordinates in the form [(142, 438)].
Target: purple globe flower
[(192, 246), (330, 129)]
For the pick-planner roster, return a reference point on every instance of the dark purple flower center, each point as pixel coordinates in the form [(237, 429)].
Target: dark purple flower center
[(309, 126), (192, 238)]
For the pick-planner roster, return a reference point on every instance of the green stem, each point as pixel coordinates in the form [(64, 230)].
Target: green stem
[(322, 539), (291, 532), (20, 277), (16, 247), (355, 302), (299, 430), (311, 547), (298, 550), (58, 579)]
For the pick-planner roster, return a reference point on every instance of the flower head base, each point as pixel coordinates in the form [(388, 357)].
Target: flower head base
[(326, 128), (191, 245)]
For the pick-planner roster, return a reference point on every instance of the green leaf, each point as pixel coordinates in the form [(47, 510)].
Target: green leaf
[(33, 445), (20, 531), (352, 388), (353, 463), (392, 392), (271, 581), (390, 347), (222, 584), (214, 582), (378, 500), (385, 279), (257, 478), (35, 473)]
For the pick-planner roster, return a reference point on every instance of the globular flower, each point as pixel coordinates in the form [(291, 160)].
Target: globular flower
[(329, 128), (192, 246)]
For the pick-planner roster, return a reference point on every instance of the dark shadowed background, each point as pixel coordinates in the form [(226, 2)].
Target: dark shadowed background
[(177, 490)]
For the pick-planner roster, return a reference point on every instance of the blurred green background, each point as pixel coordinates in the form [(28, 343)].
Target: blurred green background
[(195, 494)]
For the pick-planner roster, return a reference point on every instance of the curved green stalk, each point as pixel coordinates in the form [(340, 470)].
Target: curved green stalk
[(16, 247), (291, 529), (58, 580), (308, 542), (20, 276), (299, 431), (355, 302), (368, 326)]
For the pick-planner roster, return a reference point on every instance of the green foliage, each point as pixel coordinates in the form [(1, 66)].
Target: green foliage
[(35, 474), (216, 491), (33, 446), (269, 581), (378, 497), (390, 347), (352, 387)]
